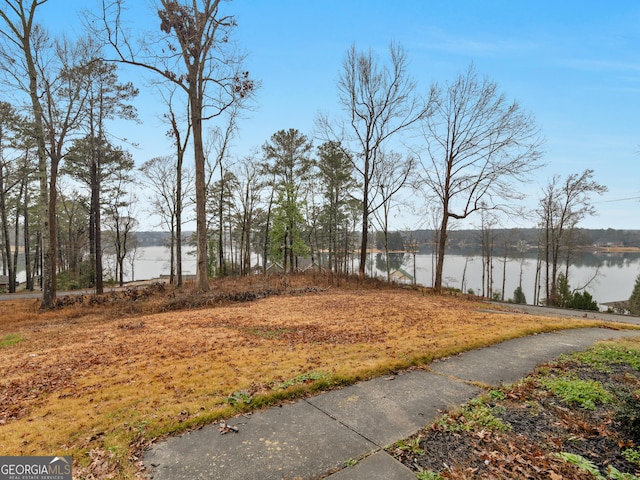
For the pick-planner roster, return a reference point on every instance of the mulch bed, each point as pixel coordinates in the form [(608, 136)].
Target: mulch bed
[(541, 425)]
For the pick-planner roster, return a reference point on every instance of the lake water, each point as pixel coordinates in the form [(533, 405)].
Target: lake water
[(616, 272)]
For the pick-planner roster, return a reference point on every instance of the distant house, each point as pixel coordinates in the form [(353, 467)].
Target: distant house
[(164, 278), (4, 282), (402, 276)]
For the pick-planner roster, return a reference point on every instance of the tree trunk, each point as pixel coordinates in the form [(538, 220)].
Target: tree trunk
[(48, 256), (266, 232), (53, 227), (172, 252), (179, 219), (27, 240), (464, 272), (365, 217), (7, 258), (221, 264), (504, 270), (365, 237), (442, 243), (16, 235), (202, 279), (97, 227)]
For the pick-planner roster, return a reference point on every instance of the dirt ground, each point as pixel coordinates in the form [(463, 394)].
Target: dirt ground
[(101, 377)]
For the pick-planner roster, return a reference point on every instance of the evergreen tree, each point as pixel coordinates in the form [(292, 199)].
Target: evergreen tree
[(288, 162), (518, 296), (336, 181), (634, 299), (286, 240), (563, 296)]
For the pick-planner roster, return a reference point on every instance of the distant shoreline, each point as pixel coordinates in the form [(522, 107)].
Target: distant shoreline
[(617, 249)]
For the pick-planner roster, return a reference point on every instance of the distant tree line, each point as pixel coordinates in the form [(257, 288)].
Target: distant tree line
[(460, 239)]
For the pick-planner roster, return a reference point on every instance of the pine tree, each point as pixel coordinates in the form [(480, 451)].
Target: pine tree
[(634, 299), (518, 296)]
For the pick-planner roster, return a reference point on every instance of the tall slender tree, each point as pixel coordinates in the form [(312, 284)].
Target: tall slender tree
[(9, 180), (249, 189), (194, 53), (106, 99), (337, 181), (170, 186), (180, 135), (65, 94), (73, 229), (380, 101), (121, 219), (288, 160), (22, 39)]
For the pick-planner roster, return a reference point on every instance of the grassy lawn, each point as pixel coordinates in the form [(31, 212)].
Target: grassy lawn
[(99, 382)]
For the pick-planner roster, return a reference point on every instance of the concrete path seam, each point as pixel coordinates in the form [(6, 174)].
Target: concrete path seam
[(348, 427)]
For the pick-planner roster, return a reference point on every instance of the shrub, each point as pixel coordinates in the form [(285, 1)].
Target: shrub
[(583, 301), (518, 296), (577, 300)]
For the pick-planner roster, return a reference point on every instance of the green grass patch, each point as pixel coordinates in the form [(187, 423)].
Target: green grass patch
[(602, 356), (410, 445), (301, 379), (474, 416), (632, 455), (584, 393), (11, 339)]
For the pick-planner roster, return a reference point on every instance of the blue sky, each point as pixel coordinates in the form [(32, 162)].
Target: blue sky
[(575, 65)]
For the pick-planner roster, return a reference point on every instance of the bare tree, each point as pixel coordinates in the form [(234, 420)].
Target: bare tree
[(195, 54), (21, 40), (168, 183), (487, 241), (390, 176), (249, 189), (180, 140), (72, 231), (380, 102), (477, 146), (564, 204), (121, 215)]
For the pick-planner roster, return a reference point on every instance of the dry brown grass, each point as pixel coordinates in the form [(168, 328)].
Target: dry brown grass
[(100, 381)]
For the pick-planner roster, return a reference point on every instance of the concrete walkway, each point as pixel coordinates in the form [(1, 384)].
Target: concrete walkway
[(318, 437)]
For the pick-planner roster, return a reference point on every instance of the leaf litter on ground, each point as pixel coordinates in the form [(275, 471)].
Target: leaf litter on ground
[(551, 433)]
